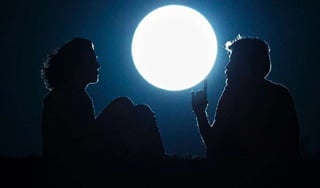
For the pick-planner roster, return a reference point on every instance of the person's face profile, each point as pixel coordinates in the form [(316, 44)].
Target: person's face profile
[(237, 68), (230, 67), (91, 67)]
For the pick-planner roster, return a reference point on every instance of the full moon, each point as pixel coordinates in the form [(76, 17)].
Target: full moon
[(174, 47)]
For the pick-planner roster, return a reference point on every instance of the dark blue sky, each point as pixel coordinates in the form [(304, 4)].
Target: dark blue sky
[(31, 29)]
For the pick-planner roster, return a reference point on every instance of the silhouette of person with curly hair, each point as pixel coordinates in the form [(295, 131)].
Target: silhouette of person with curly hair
[(255, 118), (68, 113)]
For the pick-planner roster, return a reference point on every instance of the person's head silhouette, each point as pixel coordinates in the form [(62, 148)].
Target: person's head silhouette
[(74, 65), (249, 60)]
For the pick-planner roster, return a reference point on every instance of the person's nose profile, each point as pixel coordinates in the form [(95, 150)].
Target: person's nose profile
[(98, 65), (227, 68)]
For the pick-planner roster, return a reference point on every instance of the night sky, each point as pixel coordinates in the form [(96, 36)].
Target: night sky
[(32, 29)]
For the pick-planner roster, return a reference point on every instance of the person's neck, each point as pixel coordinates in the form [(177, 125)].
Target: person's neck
[(72, 88)]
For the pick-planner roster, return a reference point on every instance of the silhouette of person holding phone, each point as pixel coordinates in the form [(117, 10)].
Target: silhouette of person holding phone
[(255, 118)]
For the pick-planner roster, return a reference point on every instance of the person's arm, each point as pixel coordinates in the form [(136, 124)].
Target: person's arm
[(199, 105)]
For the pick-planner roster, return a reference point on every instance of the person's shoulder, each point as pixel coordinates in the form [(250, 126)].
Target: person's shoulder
[(278, 88), (48, 96)]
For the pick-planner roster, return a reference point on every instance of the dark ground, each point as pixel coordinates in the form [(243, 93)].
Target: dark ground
[(172, 171)]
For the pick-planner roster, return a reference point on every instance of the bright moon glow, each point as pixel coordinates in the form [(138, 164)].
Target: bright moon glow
[(174, 47)]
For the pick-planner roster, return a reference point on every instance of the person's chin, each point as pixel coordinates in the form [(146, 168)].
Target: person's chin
[(96, 79), (230, 81)]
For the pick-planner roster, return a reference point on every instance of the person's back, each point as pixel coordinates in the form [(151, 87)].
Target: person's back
[(258, 122), (66, 121), (255, 118)]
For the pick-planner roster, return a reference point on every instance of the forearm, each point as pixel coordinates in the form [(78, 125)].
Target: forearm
[(204, 125)]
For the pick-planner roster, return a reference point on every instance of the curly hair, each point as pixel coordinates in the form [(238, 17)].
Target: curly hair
[(59, 66), (255, 49)]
